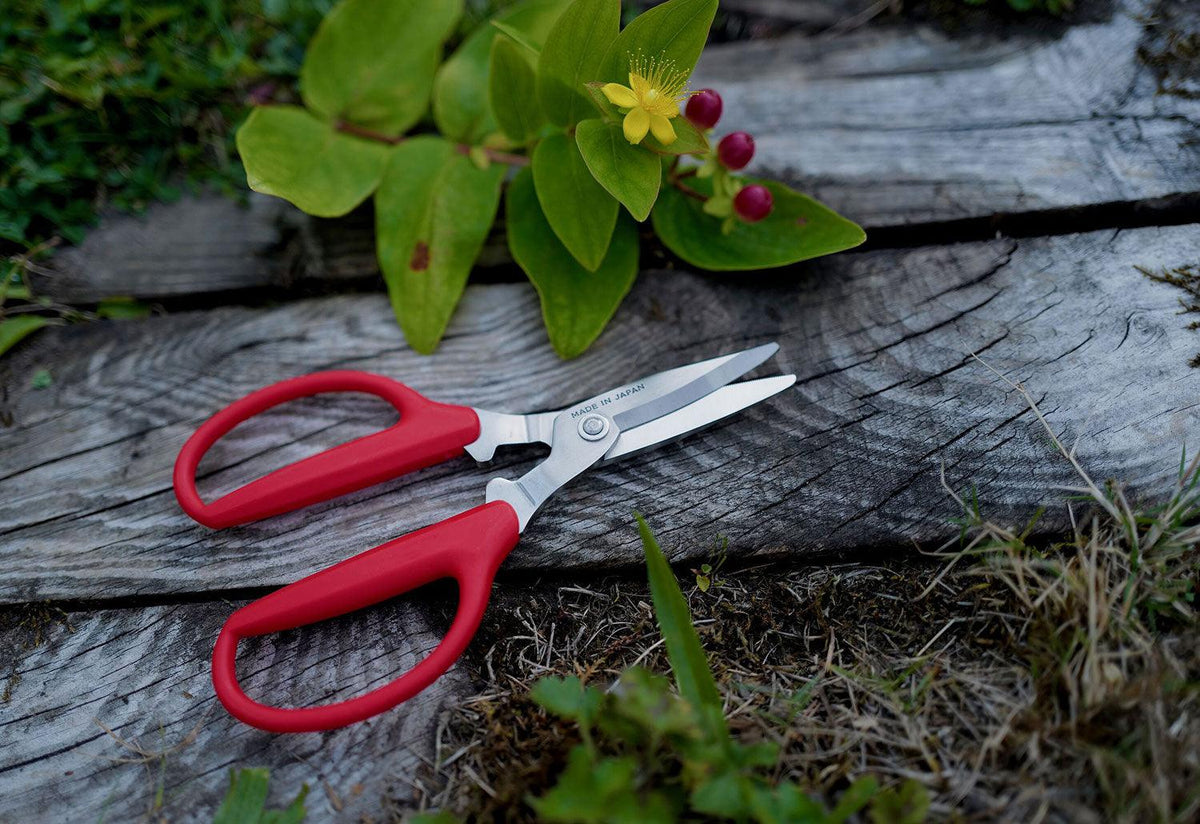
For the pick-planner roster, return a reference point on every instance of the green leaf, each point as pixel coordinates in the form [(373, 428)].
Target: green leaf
[(608, 111), (567, 698), (122, 308), (291, 154), (673, 32), (630, 173), (576, 304), (786, 803), (518, 37), (581, 213), (14, 329), (592, 791), (854, 799), (759, 754), (797, 229), (460, 92), (511, 93), (433, 211), (721, 795), (574, 54), (293, 814), (247, 795), (372, 62), (688, 662), (647, 700), (688, 140)]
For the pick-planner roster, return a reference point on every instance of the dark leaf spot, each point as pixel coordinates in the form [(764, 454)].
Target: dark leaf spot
[(420, 257)]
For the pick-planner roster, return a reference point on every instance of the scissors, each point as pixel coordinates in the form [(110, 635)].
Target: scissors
[(468, 547)]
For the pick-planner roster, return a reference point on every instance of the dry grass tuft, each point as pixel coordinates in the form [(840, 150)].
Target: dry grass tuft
[(1184, 278), (1015, 678)]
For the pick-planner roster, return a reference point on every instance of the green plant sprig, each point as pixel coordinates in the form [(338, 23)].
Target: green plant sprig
[(653, 754), (538, 89), (245, 801)]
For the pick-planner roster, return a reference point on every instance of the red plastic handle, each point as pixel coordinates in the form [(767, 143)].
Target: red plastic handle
[(468, 548), (427, 433)]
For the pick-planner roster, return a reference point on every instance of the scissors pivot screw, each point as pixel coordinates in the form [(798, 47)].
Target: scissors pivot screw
[(593, 427)]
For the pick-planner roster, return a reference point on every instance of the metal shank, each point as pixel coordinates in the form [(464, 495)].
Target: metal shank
[(570, 455), (501, 429)]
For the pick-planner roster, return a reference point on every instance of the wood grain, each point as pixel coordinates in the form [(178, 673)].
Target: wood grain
[(209, 243), (893, 125), (887, 392), (903, 125), (116, 706)]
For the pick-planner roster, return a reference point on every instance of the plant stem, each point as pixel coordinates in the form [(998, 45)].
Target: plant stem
[(494, 155), (674, 176), (367, 134), (687, 190)]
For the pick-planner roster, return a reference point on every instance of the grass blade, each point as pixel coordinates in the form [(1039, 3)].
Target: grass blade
[(688, 662)]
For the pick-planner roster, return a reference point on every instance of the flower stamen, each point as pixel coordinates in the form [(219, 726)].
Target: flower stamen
[(652, 98)]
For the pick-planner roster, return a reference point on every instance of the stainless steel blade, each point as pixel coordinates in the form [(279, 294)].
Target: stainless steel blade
[(650, 406), (708, 410), (663, 383)]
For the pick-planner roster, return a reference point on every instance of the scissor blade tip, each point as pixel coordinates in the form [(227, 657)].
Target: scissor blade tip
[(776, 384), (764, 350)]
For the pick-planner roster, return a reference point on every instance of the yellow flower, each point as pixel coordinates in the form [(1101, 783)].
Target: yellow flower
[(650, 100)]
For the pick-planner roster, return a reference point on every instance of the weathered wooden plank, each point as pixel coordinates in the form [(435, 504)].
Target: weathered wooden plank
[(208, 243), (887, 391), (895, 125), (117, 706), (903, 125)]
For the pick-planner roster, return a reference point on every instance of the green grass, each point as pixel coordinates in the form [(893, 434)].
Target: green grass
[(116, 103), (120, 102)]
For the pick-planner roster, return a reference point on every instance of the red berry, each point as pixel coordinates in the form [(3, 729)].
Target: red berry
[(704, 109), (753, 203), (735, 150)]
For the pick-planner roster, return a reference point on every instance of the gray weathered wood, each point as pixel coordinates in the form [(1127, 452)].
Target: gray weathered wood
[(887, 391), (893, 125), (902, 125), (208, 243), (143, 674)]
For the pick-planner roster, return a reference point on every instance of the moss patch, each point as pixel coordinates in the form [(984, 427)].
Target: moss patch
[(23, 628)]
